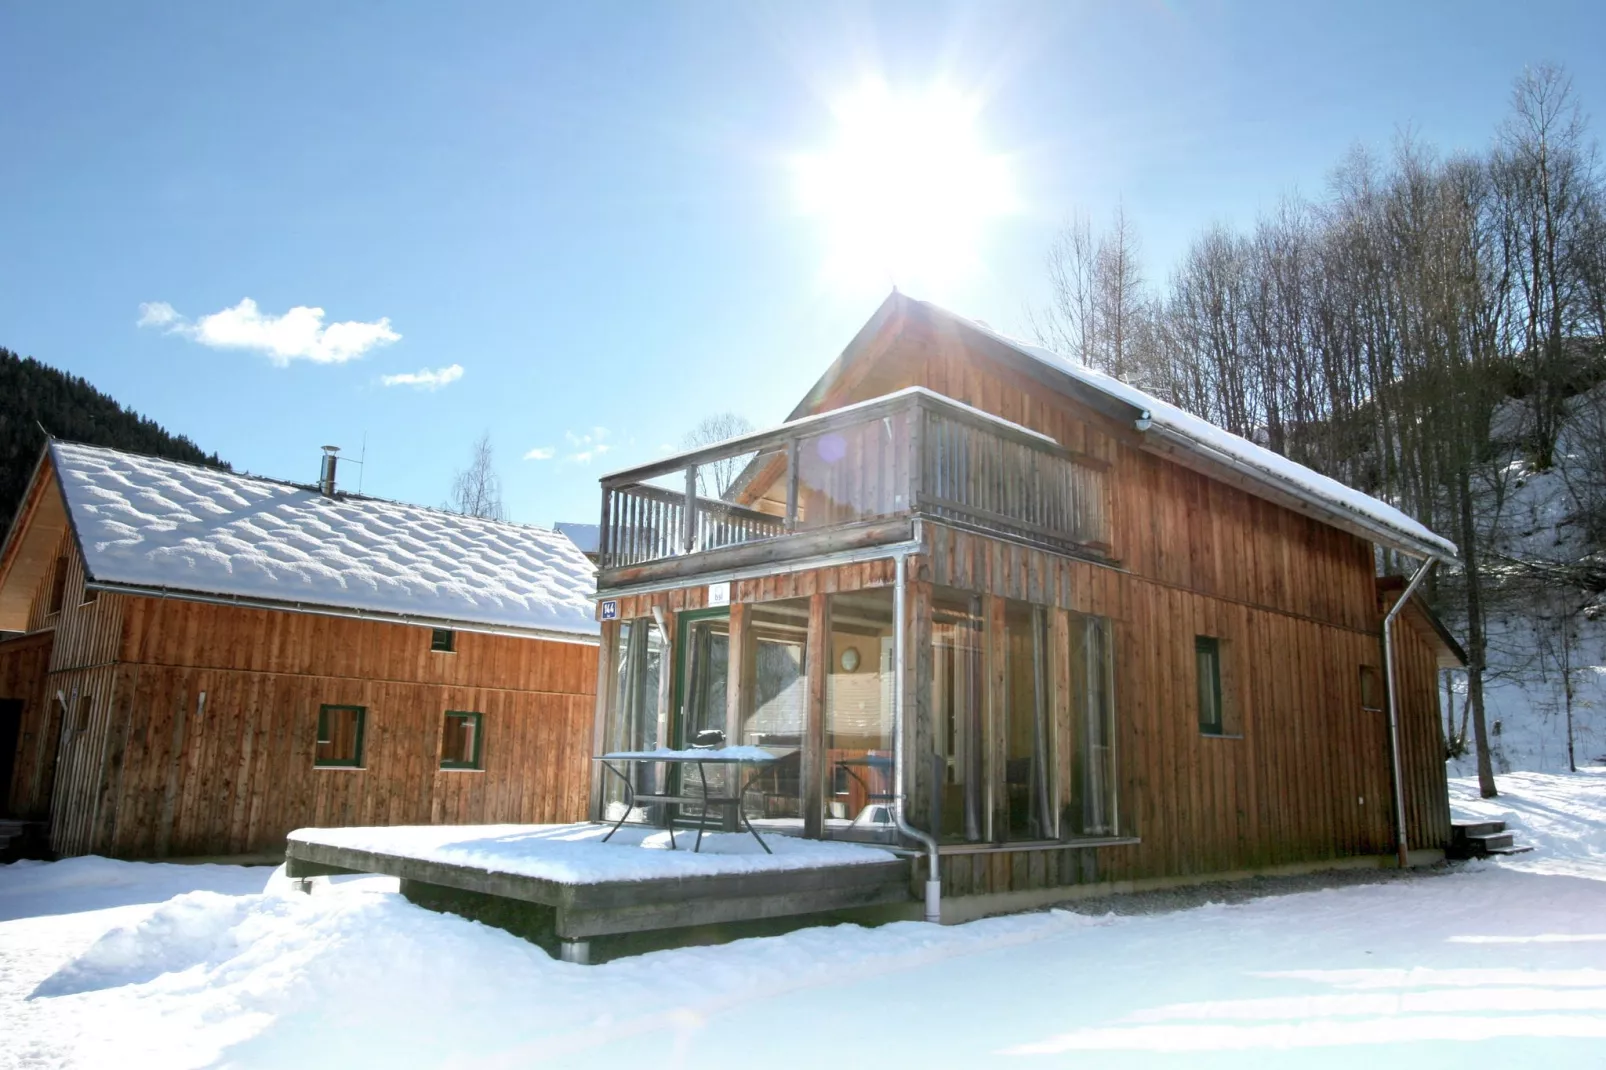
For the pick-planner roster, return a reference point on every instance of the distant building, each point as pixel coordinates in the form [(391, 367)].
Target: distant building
[(584, 536), (210, 660)]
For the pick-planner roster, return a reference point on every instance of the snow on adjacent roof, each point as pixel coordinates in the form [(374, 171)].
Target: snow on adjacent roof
[(1272, 467), (587, 537), (148, 522)]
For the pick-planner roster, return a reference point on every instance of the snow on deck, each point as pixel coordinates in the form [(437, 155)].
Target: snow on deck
[(575, 854), (148, 522)]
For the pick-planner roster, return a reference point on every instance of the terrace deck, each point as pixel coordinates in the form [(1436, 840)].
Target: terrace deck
[(566, 915)]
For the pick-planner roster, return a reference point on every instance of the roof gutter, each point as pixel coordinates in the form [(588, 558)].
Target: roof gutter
[(180, 595)]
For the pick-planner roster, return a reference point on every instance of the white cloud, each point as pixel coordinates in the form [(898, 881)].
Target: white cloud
[(426, 378), (299, 334), (157, 314), (584, 447), (541, 453)]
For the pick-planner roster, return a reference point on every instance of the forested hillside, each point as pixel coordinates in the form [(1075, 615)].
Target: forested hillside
[(1425, 331), (34, 394)]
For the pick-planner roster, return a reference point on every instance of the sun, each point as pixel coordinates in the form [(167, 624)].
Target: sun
[(907, 189)]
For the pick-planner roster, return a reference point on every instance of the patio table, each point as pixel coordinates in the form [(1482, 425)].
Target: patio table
[(701, 758)]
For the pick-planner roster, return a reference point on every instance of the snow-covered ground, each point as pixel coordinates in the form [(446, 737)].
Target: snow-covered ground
[(1524, 690), (1498, 963)]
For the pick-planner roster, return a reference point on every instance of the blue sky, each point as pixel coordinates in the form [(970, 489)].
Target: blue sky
[(594, 210)]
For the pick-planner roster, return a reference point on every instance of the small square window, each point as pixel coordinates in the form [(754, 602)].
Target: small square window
[(1207, 655), (441, 640), (1371, 688), (340, 731), (58, 585), (90, 595), (839, 781), (460, 741)]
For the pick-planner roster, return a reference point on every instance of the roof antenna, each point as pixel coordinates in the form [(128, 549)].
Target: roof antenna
[(361, 468)]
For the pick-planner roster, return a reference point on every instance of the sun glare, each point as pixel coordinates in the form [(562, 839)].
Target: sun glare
[(906, 191)]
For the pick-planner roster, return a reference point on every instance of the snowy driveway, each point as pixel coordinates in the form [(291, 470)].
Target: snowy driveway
[(1501, 963)]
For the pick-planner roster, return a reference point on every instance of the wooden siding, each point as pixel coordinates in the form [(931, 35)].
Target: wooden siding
[(201, 723), (1302, 776), (217, 761), (24, 663), (1169, 523)]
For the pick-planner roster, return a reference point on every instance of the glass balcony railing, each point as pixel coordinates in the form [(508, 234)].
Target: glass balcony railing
[(913, 453)]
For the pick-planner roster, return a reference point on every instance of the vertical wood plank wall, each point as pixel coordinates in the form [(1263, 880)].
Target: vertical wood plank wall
[(1303, 774), (24, 665), (159, 770)]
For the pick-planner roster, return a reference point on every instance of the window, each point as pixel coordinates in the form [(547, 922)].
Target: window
[(858, 715), (1093, 658), (441, 640), (460, 741), (956, 704), (90, 595), (86, 706), (340, 736), (1207, 653), (58, 585), (634, 711), (1371, 688)]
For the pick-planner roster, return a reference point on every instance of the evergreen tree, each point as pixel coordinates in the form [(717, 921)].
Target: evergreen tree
[(36, 398)]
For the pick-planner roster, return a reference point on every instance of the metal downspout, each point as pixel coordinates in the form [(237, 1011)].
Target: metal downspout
[(900, 792), (1393, 701)]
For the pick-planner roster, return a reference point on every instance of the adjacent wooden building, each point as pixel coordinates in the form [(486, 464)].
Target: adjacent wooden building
[(208, 661), (1063, 631)]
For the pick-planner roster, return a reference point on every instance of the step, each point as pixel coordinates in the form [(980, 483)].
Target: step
[(1513, 850), (1491, 842), (1478, 828)]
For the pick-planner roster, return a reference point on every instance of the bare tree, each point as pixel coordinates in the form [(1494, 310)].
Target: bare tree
[(477, 489), (1545, 171), (1099, 309), (716, 477)]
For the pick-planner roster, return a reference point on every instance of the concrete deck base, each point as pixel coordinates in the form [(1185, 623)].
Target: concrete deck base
[(602, 920), (956, 910)]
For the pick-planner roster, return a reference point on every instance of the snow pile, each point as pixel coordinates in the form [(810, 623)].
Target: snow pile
[(575, 854), (34, 888), (1273, 467), (149, 522)]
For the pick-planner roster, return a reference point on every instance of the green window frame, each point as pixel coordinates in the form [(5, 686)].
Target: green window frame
[(1207, 658), (326, 716), (442, 640), (455, 719)]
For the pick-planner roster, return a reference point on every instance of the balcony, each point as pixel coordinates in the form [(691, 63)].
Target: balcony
[(847, 479)]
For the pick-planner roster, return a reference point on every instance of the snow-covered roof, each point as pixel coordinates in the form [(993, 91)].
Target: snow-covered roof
[(1245, 456), (144, 522)]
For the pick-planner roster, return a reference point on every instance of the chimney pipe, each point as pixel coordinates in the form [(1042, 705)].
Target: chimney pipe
[(326, 472)]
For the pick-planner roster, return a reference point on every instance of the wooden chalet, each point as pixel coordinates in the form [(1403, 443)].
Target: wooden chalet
[(1042, 629), (210, 660)]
